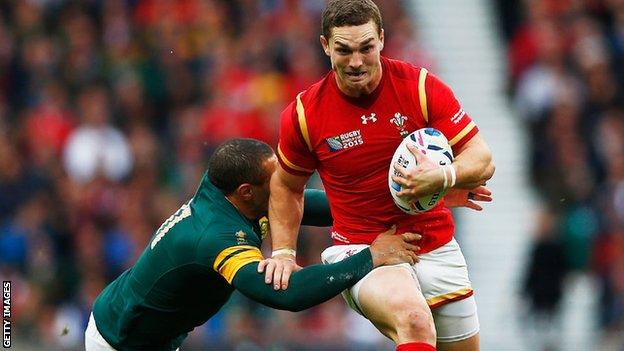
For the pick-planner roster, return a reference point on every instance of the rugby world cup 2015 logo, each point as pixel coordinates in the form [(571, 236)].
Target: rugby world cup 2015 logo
[(344, 141), (399, 122)]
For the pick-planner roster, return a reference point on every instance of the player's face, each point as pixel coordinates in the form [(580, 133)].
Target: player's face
[(261, 192), (355, 54)]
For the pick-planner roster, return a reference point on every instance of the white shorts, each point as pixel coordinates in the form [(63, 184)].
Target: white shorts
[(94, 340), (442, 276)]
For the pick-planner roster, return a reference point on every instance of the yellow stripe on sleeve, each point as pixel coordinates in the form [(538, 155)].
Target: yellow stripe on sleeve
[(290, 164), (463, 133), (422, 94), (302, 121), (232, 259), (433, 301)]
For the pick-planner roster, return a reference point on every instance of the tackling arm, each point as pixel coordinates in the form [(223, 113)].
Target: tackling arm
[(315, 284), (308, 287)]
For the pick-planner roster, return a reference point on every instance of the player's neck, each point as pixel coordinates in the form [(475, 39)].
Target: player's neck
[(241, 207)]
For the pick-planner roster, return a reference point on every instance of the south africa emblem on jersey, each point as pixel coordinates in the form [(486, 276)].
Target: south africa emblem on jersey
[(399, 122), (240, 237), (264, 227)]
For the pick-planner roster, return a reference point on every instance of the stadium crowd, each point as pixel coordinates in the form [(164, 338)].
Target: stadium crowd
[(108, 111), (567, 80)]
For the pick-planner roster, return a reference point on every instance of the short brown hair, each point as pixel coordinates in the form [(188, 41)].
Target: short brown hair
[(239, 161), (340, 13)]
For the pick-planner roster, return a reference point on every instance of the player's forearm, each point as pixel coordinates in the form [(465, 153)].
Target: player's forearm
[(308, 287), (285, 214), (473, 165), (316, 209)]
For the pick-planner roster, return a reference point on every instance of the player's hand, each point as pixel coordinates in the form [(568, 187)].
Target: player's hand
[(388, 249), (426, 179), (466, 198), (278, 270)]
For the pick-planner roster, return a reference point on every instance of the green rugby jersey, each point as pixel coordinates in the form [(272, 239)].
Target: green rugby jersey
[(185, 274)]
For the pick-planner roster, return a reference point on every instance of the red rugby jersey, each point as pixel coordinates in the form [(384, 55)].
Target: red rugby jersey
[(350, 142)]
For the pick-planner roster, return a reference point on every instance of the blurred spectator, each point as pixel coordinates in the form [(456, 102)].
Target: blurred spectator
[(544, 283), (96, 147), (567, 82)]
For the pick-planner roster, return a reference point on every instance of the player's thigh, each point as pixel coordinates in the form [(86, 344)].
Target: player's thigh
[(470, 344), (391, 299)]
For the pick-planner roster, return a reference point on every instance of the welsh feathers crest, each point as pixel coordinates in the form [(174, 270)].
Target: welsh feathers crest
[(399, 122)]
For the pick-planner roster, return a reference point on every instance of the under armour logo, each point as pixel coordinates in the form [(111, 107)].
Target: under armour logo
[(372, 118)]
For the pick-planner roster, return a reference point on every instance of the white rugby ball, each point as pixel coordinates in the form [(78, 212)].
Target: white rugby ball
[(432, 143)]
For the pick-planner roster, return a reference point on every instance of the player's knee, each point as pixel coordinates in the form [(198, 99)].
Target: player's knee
[(415, 324)]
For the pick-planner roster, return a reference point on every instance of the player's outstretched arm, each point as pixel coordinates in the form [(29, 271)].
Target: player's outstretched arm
[(316, 209), (318, 283)]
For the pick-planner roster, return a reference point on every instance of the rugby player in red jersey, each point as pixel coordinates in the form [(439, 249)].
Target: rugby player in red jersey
[(346, 127)]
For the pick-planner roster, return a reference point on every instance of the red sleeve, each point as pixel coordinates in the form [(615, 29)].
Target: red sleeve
[(293, 152), (446, 114)]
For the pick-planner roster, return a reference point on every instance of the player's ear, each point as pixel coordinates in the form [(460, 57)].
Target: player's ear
[(325, 44), (381, 39), (244, 192)]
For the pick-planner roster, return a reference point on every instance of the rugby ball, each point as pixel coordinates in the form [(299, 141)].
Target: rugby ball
[(432, 143)]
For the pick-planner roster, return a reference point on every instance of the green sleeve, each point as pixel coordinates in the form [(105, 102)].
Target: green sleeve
[(308, 287), (316, 209)]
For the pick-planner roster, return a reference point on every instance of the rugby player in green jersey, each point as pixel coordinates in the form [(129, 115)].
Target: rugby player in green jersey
[(210, 247)]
